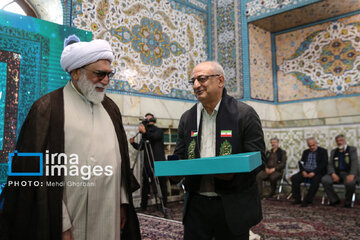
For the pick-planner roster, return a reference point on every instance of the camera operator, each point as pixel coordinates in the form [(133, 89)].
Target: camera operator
[(155, 135)]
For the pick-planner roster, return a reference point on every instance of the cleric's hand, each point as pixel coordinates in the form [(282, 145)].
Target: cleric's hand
[(67, 235)]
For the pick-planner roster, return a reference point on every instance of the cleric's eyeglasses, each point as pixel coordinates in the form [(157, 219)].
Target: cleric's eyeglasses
[(101, 74), (202, 78)]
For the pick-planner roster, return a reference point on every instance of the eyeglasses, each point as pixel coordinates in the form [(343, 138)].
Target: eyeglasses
[(101, 74), (202, 78)]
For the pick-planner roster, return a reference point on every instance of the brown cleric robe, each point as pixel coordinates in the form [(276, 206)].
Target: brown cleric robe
[(36, 212)]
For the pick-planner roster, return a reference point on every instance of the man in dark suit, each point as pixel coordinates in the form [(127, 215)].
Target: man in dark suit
[(312, 168), (222, 206), (342, 168), (274, 166), (155, 136)]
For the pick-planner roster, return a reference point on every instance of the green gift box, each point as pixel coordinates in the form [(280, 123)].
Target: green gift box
[(236, 163)]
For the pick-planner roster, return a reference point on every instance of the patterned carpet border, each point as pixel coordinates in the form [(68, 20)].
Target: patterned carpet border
[(281, 220), (156, 228)]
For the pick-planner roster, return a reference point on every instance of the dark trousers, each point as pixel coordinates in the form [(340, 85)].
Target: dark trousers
[(145, 189), (205, 220), (297, 179), (273, 178), (328, 182)]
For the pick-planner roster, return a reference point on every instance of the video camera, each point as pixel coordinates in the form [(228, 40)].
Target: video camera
[(146, 121)]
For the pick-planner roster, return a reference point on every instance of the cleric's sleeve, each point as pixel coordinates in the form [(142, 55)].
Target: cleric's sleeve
[(124, 199)]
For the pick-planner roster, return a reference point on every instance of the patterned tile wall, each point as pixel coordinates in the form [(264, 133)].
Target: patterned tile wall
[(319, 61), (261, 74), (256, 9), (228, 43), (293, 140), (156, 43), (311, 13)]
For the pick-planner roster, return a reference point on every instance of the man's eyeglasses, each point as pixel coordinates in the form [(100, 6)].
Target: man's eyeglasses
[(101, 74), (202, 78)]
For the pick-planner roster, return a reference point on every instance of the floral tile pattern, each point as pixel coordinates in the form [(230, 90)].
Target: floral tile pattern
[(261, 72), (319, 61), (258, 8), (156, 43), (228, 44)]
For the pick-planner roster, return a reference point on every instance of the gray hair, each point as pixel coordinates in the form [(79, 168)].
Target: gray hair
[(274, 138), (216, 67), (340, 136), (311, 138)]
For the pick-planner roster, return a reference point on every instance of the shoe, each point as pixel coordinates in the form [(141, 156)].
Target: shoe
[(347, 205), (334, 203), (305, 204), (296, 202)]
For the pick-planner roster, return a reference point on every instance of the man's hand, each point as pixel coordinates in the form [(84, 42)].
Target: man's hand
[(131, 140), (350, 178), (304, 174), (122, 216), (311, 174), (269, 170), (142, 128), (335, 177), (67, 235)]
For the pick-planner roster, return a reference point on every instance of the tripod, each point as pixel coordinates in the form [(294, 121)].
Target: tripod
[(153, 180)]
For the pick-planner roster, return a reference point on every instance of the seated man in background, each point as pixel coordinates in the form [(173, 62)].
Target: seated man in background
[(342, 168), (274, 165), (312, 168)]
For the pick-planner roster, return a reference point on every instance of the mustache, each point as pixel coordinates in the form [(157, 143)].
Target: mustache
[(197, 90), (99, 85)]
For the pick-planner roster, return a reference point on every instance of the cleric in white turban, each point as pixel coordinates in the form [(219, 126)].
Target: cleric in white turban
[(79, 54), (96, 201)]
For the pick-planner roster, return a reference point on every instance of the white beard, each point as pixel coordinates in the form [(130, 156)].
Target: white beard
[(88, 89)]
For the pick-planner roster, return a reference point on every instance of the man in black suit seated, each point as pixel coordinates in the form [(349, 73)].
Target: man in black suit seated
[(342, 168), (221, 206), (274, 166), (312, 168)]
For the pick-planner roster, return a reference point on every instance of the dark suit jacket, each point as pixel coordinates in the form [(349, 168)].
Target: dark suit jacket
[(36, 212), (280, 163), (239, 196), (354, 167), (321, 160)]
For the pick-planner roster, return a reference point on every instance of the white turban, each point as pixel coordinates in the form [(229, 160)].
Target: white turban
[(79, 54)]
